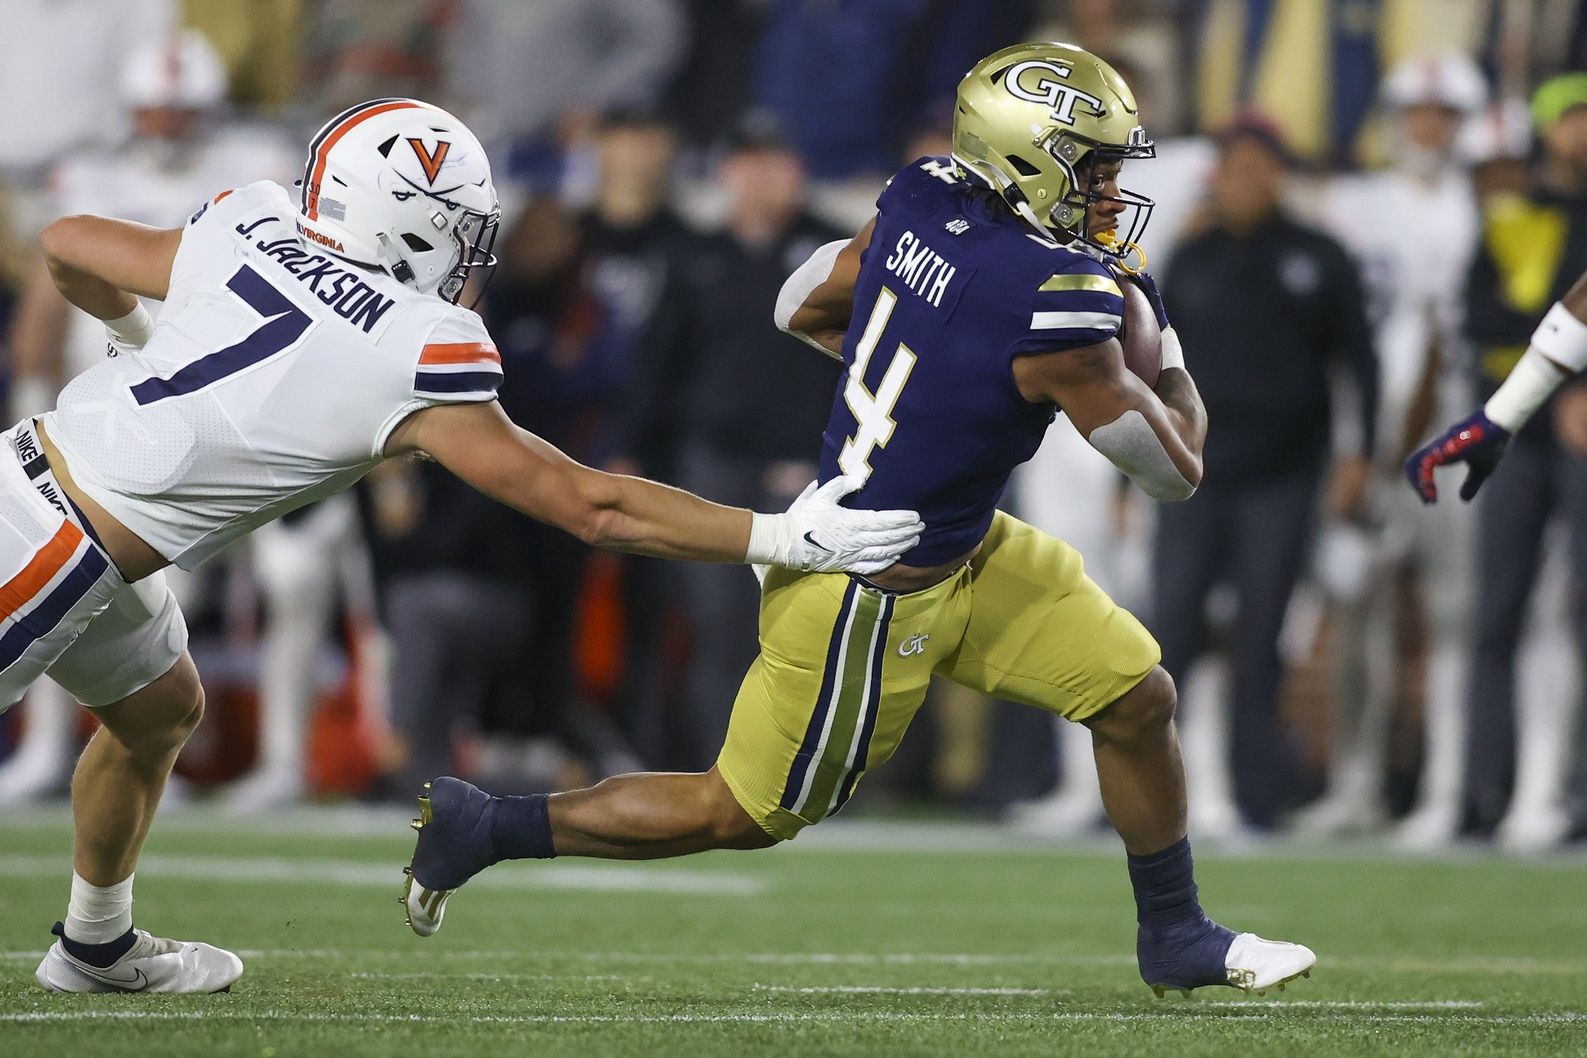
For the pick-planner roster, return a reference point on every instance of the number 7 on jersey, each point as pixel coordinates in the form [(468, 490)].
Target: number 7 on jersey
[(283, 325)]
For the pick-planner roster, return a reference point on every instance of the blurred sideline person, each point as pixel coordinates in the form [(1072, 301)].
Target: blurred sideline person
[(988, 298), (638, 251), (1532, 252), (1274, 309), (172, 91), (62, 85), (1413, 227), (700, 384), (301, 344)]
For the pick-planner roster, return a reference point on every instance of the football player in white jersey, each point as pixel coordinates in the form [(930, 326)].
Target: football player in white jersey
[(1415, 266), (300, 344)]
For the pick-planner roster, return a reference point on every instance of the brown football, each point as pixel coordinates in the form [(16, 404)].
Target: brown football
[(1142, 341)]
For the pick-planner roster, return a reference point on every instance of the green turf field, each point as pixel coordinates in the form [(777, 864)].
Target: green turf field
[(858, 940)]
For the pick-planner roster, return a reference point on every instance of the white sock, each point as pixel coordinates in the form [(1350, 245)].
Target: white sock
[(98, 914)]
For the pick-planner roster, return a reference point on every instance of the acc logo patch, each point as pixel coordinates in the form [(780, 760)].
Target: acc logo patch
[(431, 162), (1040, 81)]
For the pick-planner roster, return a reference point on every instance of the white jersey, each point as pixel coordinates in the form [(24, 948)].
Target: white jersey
[(275, 375), (1414, 239)]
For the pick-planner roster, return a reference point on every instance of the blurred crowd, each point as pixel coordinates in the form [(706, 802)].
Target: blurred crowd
[(1364, 206)]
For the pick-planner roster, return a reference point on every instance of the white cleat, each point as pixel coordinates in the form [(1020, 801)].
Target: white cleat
[(152, 964), (1255, 965), (425, 907)]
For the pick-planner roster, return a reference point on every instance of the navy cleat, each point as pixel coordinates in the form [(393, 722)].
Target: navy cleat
[(454, 844), (1198, 954)]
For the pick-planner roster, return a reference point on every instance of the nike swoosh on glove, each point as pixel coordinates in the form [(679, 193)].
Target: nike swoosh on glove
[(817, 535), (1476, 441)]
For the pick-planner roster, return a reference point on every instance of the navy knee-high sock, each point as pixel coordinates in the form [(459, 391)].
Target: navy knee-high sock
[(520, 828), (1165, 888)]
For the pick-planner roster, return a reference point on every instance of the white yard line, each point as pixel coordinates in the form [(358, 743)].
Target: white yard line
[(759, 1018), (1486, 966), (887, 990), (840, 836), (364, 874)]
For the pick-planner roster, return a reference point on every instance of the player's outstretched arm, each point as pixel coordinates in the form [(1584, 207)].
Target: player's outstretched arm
[(99, 264), (817, 301), (479, 444), (1153, 437), (1558, 351)]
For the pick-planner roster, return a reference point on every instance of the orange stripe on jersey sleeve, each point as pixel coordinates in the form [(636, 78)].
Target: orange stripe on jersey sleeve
[(40, 570), (460, 353)]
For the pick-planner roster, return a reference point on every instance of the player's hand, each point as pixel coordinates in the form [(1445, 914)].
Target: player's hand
[(1154, 297), (1476, 441), (816, 535)]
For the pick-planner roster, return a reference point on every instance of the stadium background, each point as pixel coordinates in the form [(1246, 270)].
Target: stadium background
[(663, 164)]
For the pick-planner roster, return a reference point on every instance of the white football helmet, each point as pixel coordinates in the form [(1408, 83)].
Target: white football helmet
[(1447, 79), (401, 185)]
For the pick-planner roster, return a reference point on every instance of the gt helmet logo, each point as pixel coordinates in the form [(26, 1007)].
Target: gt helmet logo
[(1045, 89), (431, 162)]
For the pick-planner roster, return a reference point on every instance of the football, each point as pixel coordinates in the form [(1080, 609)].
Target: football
[(1138, 334)]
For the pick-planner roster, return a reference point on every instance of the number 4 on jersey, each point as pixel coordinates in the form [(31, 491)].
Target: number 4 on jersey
[(873, 412)]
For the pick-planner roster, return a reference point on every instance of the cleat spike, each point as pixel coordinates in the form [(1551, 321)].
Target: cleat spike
[(1281, 986), (1305, 973), (408, 871), (1185, 992), (1159, 990), (415, 824)]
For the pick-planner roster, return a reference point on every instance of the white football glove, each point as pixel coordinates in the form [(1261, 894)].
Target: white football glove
[(818, 536)]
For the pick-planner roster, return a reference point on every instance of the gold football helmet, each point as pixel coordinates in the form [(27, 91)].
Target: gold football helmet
[(1027, 115)]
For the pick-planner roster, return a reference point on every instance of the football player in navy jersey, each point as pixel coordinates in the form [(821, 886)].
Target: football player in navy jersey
[(985, 297)]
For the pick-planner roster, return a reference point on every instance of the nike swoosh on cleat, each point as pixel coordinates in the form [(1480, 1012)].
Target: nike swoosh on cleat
[(813, 542), (134, 983)]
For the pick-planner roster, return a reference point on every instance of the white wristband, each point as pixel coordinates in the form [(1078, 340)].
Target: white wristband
[(1562, 338), (134, 328), (1172, 352), (1528, 385), (768, 543)]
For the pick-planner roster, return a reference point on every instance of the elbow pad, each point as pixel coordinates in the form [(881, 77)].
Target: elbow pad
[(1133, 446), (797, 287)]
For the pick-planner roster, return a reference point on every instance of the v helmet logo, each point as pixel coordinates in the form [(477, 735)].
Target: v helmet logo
[(432, 162)]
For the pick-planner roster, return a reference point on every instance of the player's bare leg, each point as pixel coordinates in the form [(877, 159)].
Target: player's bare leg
[(643, 816), (1143, 789), (115, 792), (121, 775), (1136, 746)]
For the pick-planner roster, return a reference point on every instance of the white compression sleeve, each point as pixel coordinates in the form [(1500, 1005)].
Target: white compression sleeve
[(1173, 353), (1133, 446), (1560, 341), (797, 287)]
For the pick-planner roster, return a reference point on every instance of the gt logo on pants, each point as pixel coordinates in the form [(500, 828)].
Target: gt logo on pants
[(915, 644)]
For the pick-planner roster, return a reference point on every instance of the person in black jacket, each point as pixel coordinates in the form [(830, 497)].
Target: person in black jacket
[(1267, 310), (734, 405)]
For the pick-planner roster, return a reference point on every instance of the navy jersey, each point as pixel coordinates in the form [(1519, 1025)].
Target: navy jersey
[(951, 290)]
